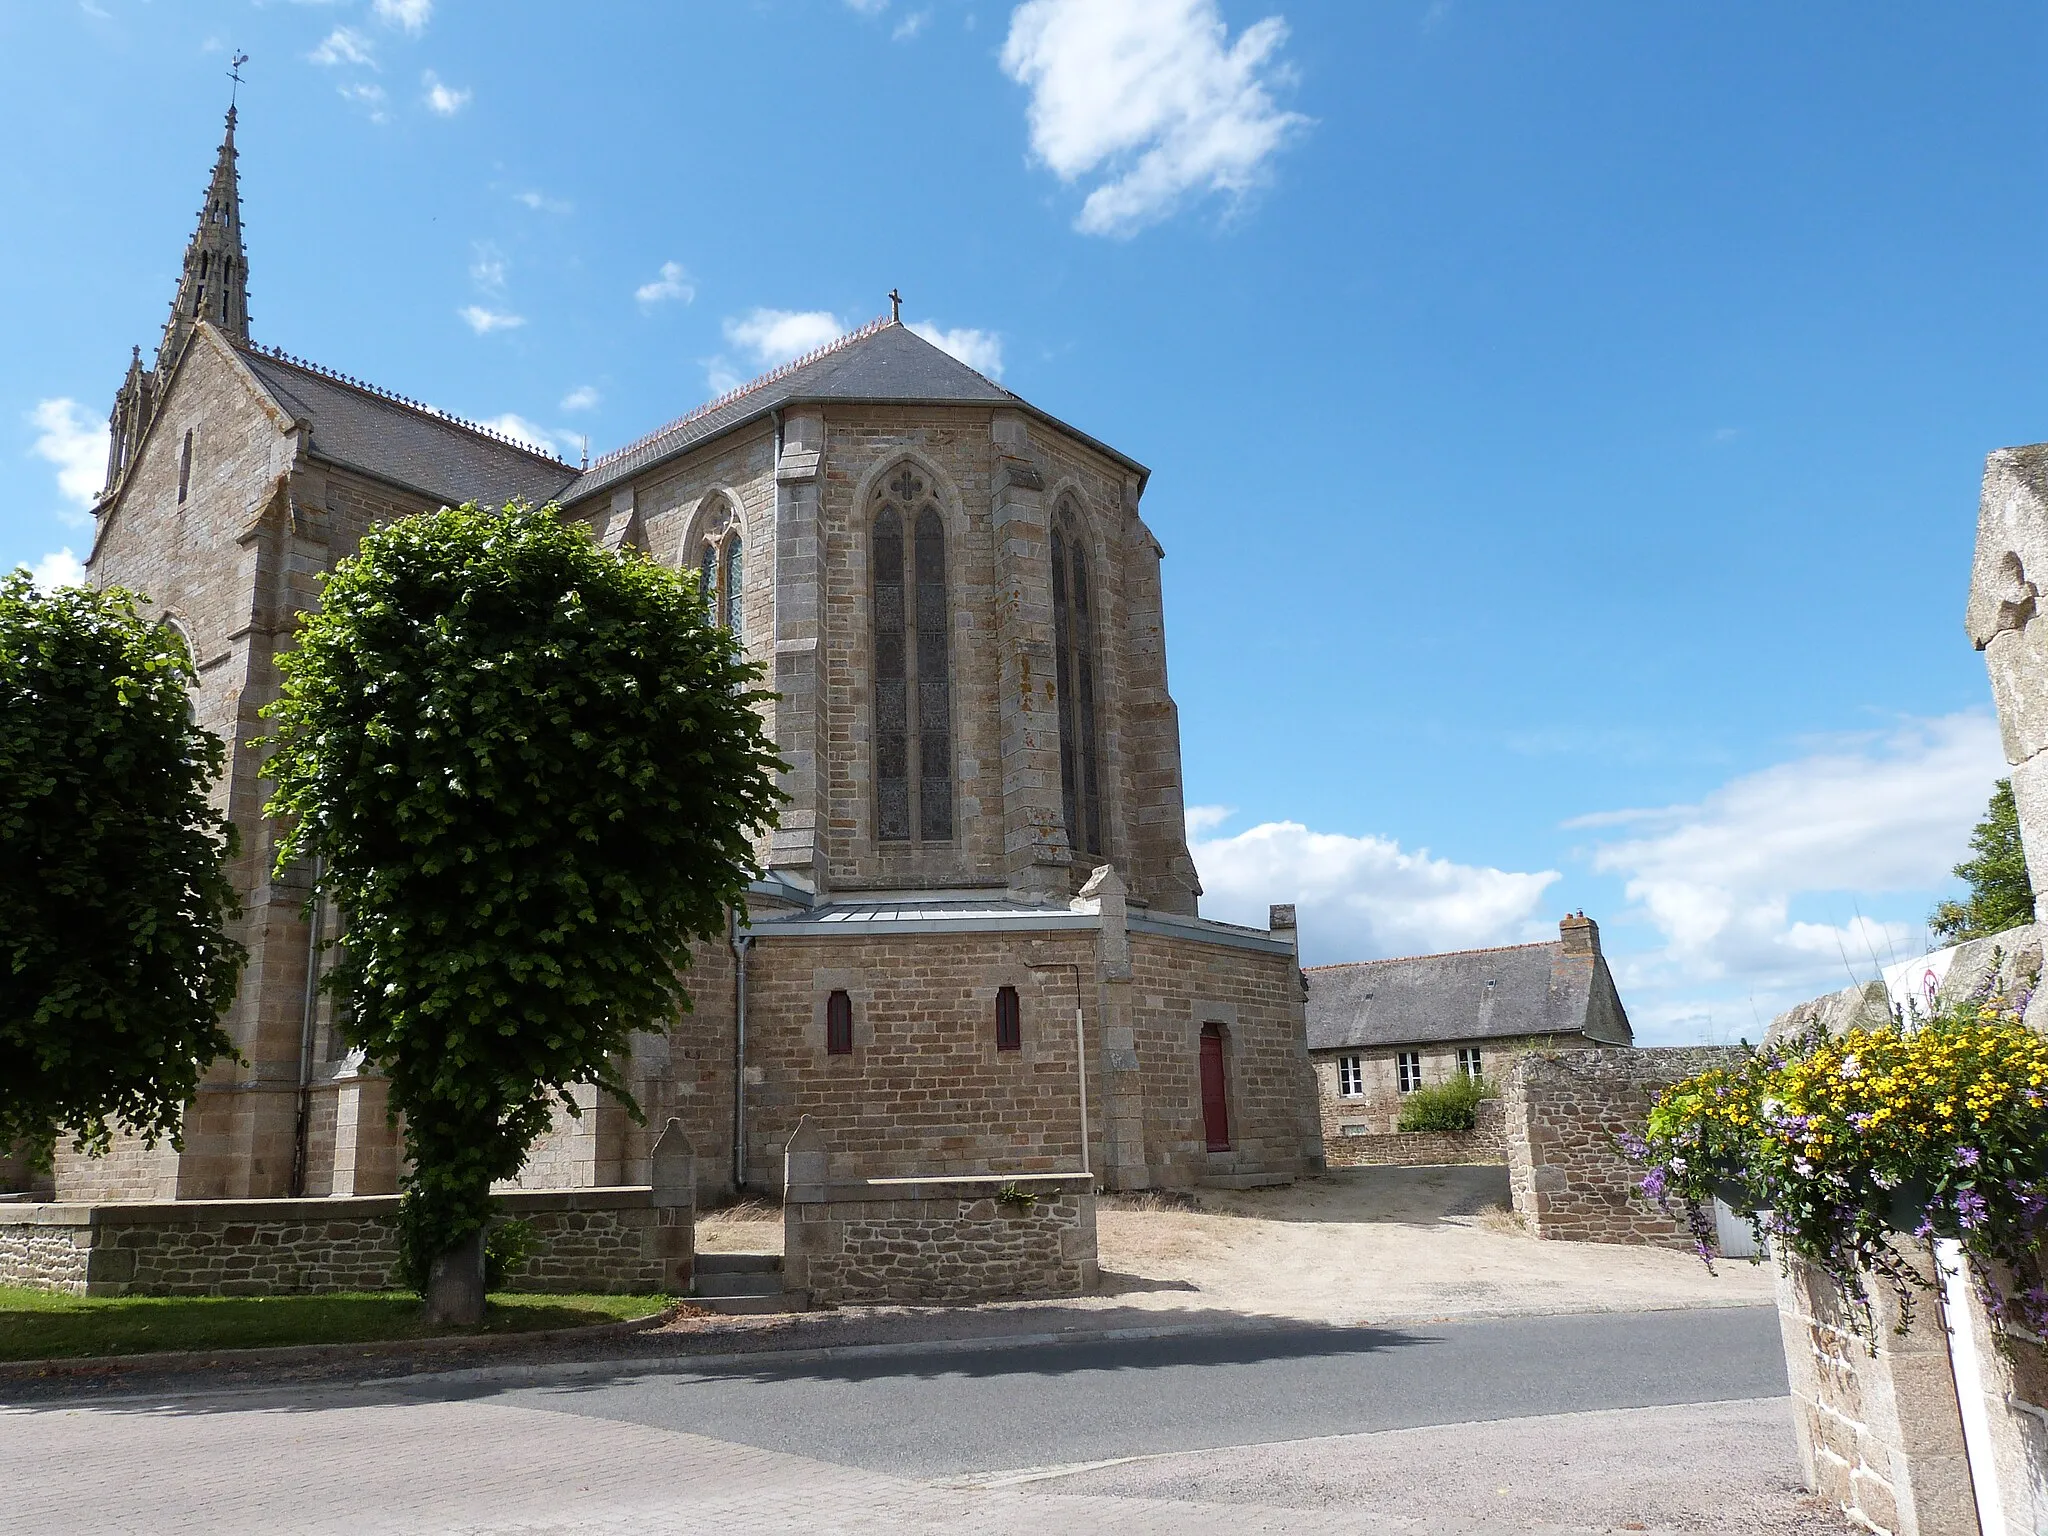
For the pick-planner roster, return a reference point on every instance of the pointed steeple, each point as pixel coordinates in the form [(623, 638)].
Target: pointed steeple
[(215, 283)]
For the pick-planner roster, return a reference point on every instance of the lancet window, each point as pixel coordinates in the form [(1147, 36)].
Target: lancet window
[(721, 570), (1074, 656), (913, 679)]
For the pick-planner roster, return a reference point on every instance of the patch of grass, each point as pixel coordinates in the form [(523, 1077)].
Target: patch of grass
[(40, 1325)]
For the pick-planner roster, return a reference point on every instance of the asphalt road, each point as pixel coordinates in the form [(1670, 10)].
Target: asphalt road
[(952, 1413)]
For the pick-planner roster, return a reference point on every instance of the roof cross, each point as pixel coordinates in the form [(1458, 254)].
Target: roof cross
[(895, 306)]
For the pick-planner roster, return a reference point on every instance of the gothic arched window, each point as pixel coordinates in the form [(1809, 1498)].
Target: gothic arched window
[(1074, 646), (913, 692), (721, 569)]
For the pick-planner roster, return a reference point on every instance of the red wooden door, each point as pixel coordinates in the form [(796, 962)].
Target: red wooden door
[(1215, 1105)]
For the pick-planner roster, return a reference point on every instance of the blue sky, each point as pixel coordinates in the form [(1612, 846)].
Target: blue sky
[(1566, 422)]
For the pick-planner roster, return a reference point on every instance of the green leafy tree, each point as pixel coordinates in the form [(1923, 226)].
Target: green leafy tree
[(115, 962), (530, 770), (2001, 896)]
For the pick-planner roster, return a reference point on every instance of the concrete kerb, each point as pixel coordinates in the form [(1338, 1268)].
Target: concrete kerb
[(321, 1354)]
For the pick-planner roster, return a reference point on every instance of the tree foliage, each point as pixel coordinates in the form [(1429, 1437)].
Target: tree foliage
[(530, 770), (2001, 894), (115, 962)]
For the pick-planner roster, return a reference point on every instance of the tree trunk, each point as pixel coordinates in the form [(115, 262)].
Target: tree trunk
[(455, 1285)]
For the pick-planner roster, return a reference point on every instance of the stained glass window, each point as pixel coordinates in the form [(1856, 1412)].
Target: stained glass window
[(913, 679)]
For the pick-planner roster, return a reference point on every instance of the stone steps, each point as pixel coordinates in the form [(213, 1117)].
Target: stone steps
[(736, 1283)]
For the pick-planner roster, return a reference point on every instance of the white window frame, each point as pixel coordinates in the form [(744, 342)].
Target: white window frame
[(1408, 1070), (1470, 1061), (1350, 1077)]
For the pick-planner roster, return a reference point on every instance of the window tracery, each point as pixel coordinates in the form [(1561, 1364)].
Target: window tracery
[(721, 570), (913, 678)]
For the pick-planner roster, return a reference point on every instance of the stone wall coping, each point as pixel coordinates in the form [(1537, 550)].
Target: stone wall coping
[(171, 1213), (939, 1187), (1193, 930)]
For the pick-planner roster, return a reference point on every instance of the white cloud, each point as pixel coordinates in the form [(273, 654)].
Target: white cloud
[(520, 430), (484, 321), (1360, 898), (444, 99), (1147, 93), (868, 7), (774, 336), (583, 397), (411, 15), (980, 350), (487, 269), (1858, 818), (368, 95), (673, 283), (910, 26), (344, 46), (76, 444), (60, 568), (540, 202)]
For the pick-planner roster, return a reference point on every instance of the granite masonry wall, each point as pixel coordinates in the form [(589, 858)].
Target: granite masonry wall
[(1486, 1142), (1563, 1110), (606, 1240)]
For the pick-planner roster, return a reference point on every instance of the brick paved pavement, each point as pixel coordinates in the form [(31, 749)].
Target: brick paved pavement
[(361, 1463)]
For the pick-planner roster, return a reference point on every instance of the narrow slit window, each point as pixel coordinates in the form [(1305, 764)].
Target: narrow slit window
[(184, 467), (1009, 1020), (735, 565), (1074, 665), (838, 1025)]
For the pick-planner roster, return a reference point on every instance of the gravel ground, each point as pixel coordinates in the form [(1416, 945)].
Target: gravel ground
[(1356, 1246)]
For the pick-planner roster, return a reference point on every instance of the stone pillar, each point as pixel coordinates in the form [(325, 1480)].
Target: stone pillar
[(797, 846), (1119, 1087), (804, 1232), (672, 1172), (1036, 859), (2005, 622), (365, 1141), (1308, 1112), (1154, 815)]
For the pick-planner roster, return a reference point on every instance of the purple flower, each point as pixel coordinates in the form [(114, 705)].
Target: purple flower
[(1966, 1157), (1925, 1229), (1970, 1208), (1653, 1183)]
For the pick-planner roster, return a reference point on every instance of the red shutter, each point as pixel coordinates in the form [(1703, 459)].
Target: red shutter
[(1215, 1104)]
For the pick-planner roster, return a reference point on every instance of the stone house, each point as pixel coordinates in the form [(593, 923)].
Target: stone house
[(977, 913), (1380, 1029)]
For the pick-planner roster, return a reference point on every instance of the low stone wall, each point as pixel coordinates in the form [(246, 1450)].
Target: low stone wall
[(1563, 1111), (608, 1240), (1486, 1142), (941, 1239)]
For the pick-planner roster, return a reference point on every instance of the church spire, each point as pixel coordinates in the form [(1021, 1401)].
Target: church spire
[(215, 283)]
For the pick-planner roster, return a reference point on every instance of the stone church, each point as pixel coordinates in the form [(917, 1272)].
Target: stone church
[(976, 931)]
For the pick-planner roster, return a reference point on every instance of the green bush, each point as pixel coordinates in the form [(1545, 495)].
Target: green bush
[(1446, 1106)]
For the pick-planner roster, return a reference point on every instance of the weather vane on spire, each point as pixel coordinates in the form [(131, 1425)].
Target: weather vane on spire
[(235, 74)]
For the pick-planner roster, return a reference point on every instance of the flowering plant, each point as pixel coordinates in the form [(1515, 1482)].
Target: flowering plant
[(1833, 1147)]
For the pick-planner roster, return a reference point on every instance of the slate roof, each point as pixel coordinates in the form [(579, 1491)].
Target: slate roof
[(405, 442), (1473, 994), (883, 362)]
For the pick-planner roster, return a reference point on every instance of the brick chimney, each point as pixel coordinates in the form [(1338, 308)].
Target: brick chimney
[(1579, 935)]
